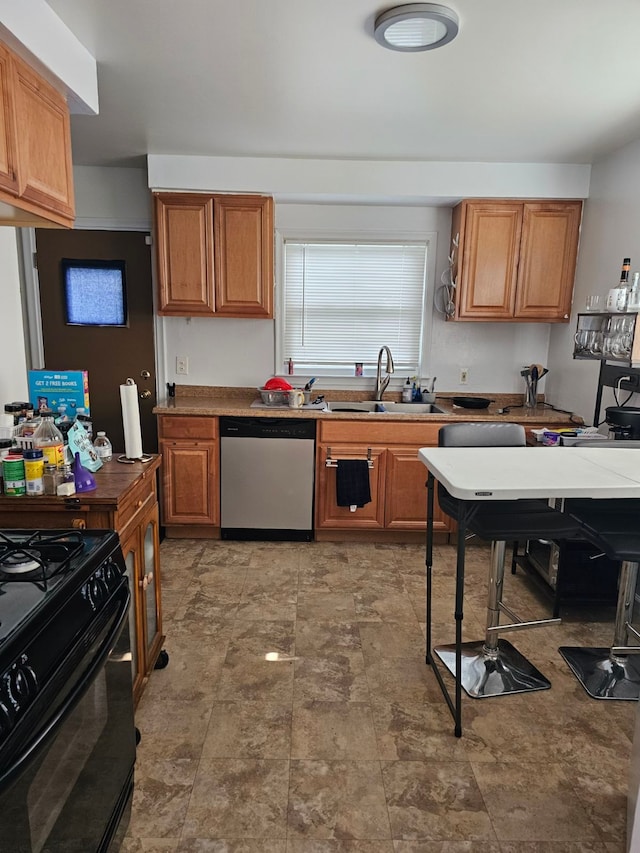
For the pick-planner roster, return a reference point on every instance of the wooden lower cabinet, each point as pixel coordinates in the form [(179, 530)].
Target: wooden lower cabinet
[(397, 478), (125, 500), (190, 471), (141, 550), (406, 493), (328, 513)]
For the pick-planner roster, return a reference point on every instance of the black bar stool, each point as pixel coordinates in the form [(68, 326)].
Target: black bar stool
[(491, 667), (611, 673)]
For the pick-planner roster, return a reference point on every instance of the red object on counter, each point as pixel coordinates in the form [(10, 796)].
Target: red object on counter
[(277, 384)]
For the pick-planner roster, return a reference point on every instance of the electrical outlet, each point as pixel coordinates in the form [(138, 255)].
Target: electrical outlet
[(182, 365), (464, 375)]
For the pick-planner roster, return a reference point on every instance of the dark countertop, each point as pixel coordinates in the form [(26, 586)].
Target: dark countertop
[(217, 401)]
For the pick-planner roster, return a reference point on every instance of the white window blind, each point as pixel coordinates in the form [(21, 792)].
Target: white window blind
[(344, 300)]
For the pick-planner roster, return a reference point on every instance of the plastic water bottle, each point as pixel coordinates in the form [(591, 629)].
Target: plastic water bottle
[(103, 446)]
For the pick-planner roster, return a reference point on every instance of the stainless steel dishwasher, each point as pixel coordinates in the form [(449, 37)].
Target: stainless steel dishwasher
[(266, 478)]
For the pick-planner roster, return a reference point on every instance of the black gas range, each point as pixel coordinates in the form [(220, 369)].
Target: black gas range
[(66, 707)]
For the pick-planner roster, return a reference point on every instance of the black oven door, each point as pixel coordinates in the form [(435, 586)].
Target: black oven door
[(68, 788)]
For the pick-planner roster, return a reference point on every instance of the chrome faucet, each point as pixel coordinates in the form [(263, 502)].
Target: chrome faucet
[(381, 383)]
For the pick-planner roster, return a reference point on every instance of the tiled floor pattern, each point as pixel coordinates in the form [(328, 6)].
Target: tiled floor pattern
[(343, 743)]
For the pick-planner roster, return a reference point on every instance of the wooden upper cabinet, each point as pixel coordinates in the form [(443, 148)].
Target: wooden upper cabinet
[(8, 154), (36, 175), (516, 260), (548, 255), (184, 236), (45, 175), (215, 254), (243, 229), (488, 261)]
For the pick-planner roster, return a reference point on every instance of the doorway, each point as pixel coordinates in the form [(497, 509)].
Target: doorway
[(110, 353)]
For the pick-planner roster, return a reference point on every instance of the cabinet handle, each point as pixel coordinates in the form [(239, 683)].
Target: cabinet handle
[(139, 504), (146, 580), (78, 523)]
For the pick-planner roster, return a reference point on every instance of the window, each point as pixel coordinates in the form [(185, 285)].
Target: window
[(94, 293), (343, 300)]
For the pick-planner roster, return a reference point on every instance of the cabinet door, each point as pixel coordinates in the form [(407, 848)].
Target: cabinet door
[(548, 260), (488, 261), (132, 552), (150, 587), (45, 175), (406, 493), (184, 235), (8, 175), (328, 513), (190, 482), (244, 256)]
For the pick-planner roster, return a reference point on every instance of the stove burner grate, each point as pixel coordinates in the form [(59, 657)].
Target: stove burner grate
[(38, 556)]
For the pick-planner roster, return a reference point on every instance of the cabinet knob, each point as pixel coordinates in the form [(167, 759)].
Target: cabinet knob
[(78, 523), (146, 580), (145, 394)]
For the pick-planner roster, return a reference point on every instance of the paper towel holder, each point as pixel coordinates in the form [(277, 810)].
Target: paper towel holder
[(144, 457)]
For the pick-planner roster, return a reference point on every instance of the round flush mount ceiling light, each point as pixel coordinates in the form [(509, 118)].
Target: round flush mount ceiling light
[(416, 26)]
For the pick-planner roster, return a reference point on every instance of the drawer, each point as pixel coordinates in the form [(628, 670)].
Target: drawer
[(419, 434), (137, 498), (184, 426)]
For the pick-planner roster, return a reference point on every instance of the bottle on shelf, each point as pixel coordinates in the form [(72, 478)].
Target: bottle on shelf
[(103, 447), (290, 367), (633, 301), (49, 439), (618, 296)]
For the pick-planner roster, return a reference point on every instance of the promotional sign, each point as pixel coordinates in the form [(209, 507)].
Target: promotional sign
[(50, 389)]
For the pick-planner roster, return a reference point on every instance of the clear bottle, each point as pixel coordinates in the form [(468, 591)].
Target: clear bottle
[(103, 446), (633, 300), (49, 439), (407, 391)]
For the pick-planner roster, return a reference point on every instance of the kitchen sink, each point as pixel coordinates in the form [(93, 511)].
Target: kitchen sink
[(373, 407)]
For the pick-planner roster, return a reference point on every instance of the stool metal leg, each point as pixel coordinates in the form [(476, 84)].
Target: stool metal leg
[(612, 673), (493, 667)]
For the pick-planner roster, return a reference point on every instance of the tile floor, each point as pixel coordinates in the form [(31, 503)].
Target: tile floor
[(343, 743)]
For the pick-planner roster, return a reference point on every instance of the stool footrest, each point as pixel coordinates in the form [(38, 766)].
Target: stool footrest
[(523, 626), (625, 650)]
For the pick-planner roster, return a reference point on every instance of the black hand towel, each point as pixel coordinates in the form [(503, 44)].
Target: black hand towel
[(352, 482)]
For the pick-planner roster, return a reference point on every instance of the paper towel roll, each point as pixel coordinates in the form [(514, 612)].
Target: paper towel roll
[(131, 420)]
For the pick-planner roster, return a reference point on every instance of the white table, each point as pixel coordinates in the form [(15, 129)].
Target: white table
[(509, 473)]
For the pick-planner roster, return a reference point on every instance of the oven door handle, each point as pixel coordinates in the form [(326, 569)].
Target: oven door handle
[(78, 691)]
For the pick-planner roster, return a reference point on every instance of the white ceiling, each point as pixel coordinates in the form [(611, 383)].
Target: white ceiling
[(549, 81)]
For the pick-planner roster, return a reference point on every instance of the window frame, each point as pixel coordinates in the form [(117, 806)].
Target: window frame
[(67, 264), (346, 380)]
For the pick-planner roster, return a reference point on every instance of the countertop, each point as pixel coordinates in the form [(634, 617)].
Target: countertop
[(215, 401)]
